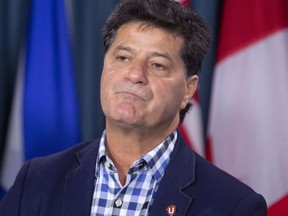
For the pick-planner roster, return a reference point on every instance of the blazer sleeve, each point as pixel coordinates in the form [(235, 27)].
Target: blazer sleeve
[(10, 204), (251, 205)]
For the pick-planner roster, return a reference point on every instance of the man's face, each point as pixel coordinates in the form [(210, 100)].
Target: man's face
[(143, 81)]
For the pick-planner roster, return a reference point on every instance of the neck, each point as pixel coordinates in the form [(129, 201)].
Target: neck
[(126, 145)]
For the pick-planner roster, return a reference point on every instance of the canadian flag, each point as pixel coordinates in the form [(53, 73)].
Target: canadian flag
[(249, 108)]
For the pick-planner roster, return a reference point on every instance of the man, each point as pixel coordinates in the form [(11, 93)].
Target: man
[(141, 165)]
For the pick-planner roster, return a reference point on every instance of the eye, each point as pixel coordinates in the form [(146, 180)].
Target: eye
[(123, 58), (158, 66), (160, 70)]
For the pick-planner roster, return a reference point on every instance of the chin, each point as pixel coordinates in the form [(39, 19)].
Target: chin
[(124, 120), (129, 122)]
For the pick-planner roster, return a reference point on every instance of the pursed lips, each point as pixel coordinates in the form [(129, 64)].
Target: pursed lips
[(133, 92), (130, 94)]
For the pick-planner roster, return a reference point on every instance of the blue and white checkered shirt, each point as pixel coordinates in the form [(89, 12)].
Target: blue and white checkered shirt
[(136, 196)]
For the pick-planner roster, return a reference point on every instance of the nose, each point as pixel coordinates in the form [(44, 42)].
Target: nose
[(137, 73)]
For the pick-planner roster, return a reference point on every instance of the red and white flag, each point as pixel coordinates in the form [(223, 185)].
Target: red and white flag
[(249, 108)]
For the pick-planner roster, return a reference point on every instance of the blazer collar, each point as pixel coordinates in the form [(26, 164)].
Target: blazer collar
[(179, 174), (79, 182)]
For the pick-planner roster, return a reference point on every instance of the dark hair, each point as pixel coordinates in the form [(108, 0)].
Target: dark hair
[(171, 16)]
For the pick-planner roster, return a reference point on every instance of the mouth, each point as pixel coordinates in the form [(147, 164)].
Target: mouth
[(131, 95), (132, 92)]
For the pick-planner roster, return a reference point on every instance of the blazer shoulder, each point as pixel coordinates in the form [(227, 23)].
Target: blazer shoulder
[(57, 165), (61, 157), (211, 176), (219, 191), (41, 182)]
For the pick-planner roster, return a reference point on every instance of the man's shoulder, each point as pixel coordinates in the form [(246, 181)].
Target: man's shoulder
[(65, 158), (209, 174), (223, 191), (218, 186)]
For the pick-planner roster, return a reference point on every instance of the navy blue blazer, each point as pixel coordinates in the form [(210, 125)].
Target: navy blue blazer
[(63, 184)]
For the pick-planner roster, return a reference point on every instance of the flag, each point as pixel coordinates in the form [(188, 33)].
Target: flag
[(44, 117), (248, 127)]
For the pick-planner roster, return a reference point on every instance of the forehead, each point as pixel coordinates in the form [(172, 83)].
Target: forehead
[(147, 36)]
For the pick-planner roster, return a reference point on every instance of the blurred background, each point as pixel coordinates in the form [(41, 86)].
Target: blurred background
[(51, 57)]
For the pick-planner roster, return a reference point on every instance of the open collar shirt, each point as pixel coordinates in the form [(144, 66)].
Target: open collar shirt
[(143, 177)]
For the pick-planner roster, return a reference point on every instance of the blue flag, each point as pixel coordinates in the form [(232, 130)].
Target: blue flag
[(49, 105)]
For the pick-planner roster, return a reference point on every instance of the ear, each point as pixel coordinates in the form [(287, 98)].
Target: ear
[(192, 83)]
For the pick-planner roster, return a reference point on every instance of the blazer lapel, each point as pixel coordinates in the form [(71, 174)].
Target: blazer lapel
[(79, 183), (179, 174)]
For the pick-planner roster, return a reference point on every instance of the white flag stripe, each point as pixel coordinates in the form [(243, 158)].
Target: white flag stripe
[(249, 116), (193, 127)]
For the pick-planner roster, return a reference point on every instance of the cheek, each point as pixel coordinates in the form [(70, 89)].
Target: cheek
[(169, 94), (105, 87), (107, 79)]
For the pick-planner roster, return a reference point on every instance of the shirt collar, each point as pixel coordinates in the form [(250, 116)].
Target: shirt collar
[(156, 160)]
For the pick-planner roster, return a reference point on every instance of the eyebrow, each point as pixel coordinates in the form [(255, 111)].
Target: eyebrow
[(129, 49), (163, 55), (126, 48)]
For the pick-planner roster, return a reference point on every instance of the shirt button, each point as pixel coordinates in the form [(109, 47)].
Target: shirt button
[(107, 164), (118, 202)]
